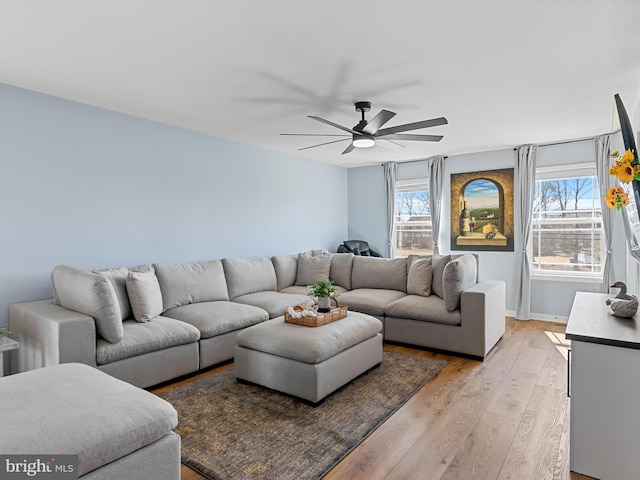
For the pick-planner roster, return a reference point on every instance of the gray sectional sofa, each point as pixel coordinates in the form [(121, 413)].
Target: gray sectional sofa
[(152, 323)]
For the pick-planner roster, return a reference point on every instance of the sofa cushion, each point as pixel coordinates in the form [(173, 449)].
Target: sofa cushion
[(341, 268), (427, 309), (182, 284), (144, 294), (438, 264), (249, 275), (312, 268), (374, 272), (74, 408), (371, 301), (92, 294), (216, 318), (459, 274), (286, 267), (275, 303), (118, 278), (140, 338), (419, 277)]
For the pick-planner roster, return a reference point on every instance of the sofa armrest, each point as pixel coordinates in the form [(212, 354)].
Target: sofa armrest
[(50, 334), (483, 310)]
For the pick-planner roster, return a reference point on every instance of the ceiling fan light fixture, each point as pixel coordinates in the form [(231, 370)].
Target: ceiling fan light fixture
[(363, 142)]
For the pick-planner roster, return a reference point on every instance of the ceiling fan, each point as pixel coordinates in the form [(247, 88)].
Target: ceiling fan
[(366, 133)]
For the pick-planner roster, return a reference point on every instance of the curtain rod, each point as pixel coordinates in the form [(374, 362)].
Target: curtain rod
[(570, 141), (539, 145), (415, 161)]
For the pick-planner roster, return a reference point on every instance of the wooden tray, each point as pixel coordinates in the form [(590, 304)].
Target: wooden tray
[(336, 313)]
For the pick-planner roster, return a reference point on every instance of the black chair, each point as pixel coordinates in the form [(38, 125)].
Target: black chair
[(358, 247)]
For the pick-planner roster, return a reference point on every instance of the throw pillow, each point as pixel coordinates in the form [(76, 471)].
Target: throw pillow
[(439, 262), (459, 274), (312, 268), (419, 277), (92, 294), (144, 294), (118, 278)]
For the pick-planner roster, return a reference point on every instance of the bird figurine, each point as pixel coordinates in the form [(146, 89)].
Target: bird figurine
[(622, 305)]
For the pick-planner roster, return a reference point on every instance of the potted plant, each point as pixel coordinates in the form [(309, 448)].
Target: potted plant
[(323, 289), (4, 331)]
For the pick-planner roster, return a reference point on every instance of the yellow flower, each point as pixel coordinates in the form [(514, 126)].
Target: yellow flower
[(627, 157), (617, 198), (625, 173), (615, 154)]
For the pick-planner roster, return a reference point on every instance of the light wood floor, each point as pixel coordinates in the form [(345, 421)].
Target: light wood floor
[(504, 418)]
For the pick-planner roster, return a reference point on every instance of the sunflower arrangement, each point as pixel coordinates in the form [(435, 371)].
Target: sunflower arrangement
[(626, 168), (617, 198)]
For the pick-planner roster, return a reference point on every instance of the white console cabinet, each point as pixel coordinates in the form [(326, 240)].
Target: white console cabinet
[(605, 390)]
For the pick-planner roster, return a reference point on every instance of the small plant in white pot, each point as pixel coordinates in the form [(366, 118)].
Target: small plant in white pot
[(324, 289)]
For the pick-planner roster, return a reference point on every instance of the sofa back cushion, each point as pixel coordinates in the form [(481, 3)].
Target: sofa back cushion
[(311, 268), (419, 277), (374, 272), (92, 294), (438, 264), (182, 284), (459, 274), (286, 267), (341, 268), (249, 275)]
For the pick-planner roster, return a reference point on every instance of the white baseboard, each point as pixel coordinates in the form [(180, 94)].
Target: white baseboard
[(542, 316)]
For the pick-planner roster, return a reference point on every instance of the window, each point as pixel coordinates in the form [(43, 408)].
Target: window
[(413, 218), (567, 222)]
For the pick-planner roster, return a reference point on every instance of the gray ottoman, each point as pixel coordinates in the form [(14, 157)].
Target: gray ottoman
[(308, 362), (117, 430)]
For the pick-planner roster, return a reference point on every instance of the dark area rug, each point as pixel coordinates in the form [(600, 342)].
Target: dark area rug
[(246, 432)]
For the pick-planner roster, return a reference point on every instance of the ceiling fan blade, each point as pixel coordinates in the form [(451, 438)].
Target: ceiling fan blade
[(326, 143), (394, 143), (434, 122), (349, 148), (316, 134), (409, 136), (376, 122), (333, 124), (389, 145)]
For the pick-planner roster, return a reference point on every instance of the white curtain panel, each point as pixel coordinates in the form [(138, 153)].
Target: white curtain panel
[(526, 182), (390, 172), (605, 182), (435, 198)]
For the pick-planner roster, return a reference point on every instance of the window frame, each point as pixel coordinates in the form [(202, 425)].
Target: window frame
[(410, 185), (568, 171)]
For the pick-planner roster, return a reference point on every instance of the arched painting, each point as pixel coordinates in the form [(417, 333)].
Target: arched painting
[(482, 210)]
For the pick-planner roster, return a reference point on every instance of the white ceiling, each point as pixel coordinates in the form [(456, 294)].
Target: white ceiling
[(502, 72)]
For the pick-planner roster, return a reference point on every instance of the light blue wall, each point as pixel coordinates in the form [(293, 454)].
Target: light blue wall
[(549, 299), (92, 188)]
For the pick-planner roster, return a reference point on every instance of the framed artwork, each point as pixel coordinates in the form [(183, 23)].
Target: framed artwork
[(482, 210)]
